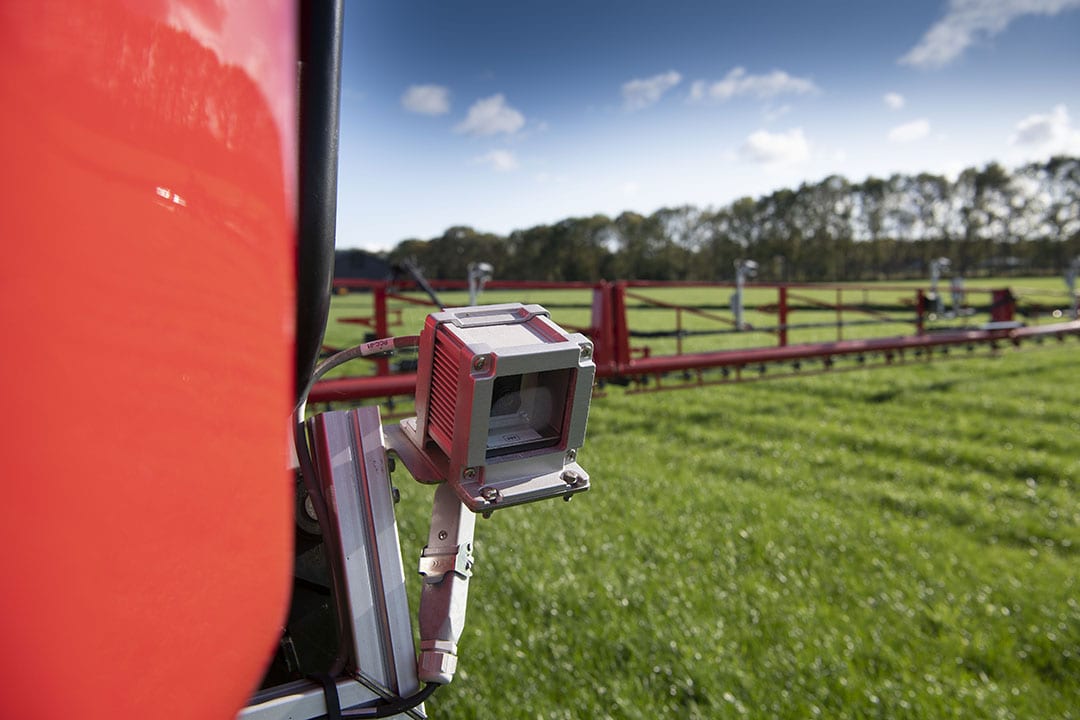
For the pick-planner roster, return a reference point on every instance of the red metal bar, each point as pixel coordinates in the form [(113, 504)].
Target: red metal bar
[(678, 331), (395, 313), (783, 314), (425, 301), (615, 357), (840, 306), (382, 329), (360, 284), (920, 312), (839, 314), (1054, 330), (359, 388), (622, 330), (365, 321), (1002, 306), (758, 284), (342, 389), (754, 356), (673, 306), (602, 330)]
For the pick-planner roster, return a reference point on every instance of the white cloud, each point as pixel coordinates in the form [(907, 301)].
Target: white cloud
[(783, 148), (491, 116), (968, 21), (426, 99), (498, 160), (1049, 134), (737, 82), (640, 93), (910, 132), (630, 188), (895, 101), (772, 114)]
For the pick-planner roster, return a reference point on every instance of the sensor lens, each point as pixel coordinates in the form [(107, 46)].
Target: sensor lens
[(527, 412)]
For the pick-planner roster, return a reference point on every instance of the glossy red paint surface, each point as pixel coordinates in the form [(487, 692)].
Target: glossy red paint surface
[(147, 218)]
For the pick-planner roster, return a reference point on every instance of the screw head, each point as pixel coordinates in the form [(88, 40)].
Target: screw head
[(571, 455), (443, 534), (469, 473), (572, 478), (309, 508), (480, 362), (586, 351), (492, 495)]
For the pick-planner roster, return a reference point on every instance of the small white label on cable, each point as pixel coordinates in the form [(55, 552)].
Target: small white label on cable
[(377, 347)]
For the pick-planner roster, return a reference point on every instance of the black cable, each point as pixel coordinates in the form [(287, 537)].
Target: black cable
[(330, 695), (392, 708)]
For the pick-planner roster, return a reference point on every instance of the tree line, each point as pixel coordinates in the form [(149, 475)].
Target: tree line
[(988, 221)]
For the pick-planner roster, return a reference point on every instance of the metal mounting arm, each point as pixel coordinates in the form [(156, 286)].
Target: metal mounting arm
[(446, 565)]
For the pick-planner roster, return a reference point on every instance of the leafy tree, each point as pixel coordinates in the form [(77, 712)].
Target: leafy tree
[(988, 220)]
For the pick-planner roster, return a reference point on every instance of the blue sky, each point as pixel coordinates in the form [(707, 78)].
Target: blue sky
[(505, 115)]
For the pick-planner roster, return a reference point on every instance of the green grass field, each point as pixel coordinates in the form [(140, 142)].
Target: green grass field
[(890, 543), (895, 543)]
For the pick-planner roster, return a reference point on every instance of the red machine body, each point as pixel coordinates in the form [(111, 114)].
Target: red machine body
[(146, 302)]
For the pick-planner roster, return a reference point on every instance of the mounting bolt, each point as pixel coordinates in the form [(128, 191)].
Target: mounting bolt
[(309, 508), (443, 534), (480, 362), (492, 495), (572, 478), (571, 455), (469, 473), (586, 351)]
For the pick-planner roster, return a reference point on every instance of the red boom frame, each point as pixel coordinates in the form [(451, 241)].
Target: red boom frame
[(610, 331)]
